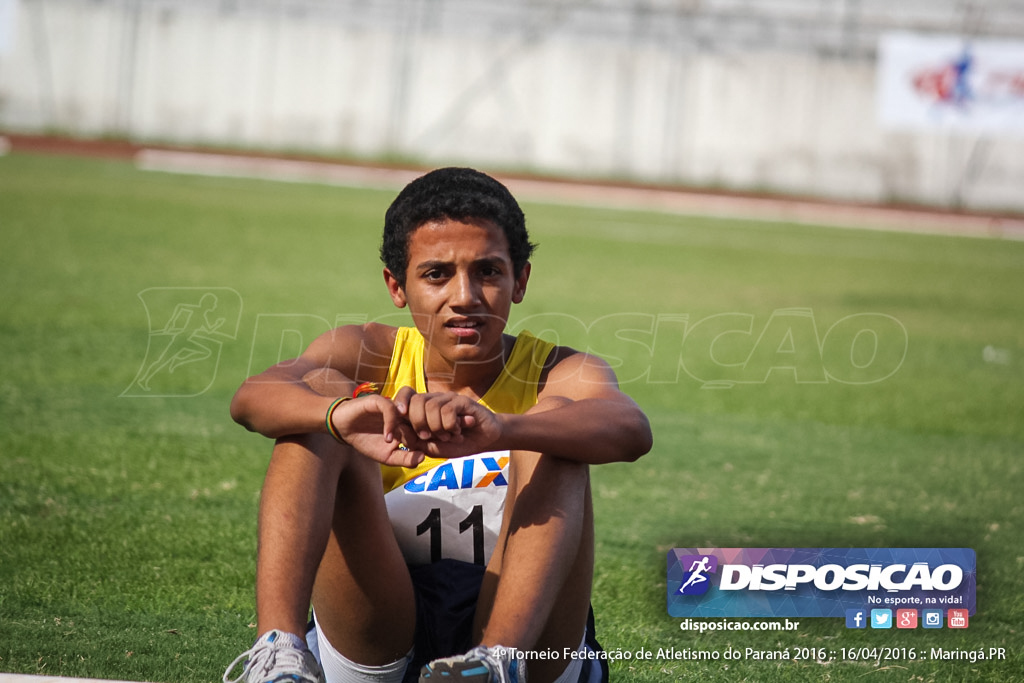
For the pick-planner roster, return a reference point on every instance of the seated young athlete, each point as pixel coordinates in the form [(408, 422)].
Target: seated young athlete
[(428, 491)]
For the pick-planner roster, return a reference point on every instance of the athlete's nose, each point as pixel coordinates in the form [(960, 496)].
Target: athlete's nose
[(465, 291)]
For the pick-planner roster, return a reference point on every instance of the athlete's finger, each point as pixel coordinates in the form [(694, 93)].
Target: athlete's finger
[(436, 410), (417, 415), (402, 398), (403, 457), (405, 438), (451, 415), (392, 417)]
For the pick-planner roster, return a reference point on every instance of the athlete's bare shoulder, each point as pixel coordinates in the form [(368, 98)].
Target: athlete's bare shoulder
[(576, 374), (376, 337), (361, 352)]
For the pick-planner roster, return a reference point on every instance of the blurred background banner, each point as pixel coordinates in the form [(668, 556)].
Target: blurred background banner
[(7, 23), (951, 82), (774, 96)]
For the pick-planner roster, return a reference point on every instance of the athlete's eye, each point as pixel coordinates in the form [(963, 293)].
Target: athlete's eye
[(434, 275)]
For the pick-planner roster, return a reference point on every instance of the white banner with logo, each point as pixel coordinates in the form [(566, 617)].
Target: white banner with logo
[(951, 83)]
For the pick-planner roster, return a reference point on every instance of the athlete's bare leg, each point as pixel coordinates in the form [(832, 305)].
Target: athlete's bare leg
[(363, 595), (296, 507), (536, 593), (322, 517)]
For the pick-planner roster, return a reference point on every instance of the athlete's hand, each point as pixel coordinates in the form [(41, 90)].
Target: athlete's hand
[(374, 426), (447, 425)]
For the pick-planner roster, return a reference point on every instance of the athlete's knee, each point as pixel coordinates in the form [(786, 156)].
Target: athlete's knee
[(527, 467), (320, 451), (320, 445), (545, 486)]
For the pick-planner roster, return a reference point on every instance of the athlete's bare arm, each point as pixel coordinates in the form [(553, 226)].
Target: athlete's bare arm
[(293, 397), (590, 419), (584, 416)]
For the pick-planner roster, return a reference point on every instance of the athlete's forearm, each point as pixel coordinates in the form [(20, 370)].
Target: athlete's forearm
[(593, 430), (277, 404), (293, 397)]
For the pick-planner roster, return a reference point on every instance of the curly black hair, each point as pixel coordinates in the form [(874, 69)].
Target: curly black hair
[(459, 194)]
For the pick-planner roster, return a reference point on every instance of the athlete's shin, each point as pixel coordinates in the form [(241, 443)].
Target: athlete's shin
[(537, 593), (294, 523), (363, 594)]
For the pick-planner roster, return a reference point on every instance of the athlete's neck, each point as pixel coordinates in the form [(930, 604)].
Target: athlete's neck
[(468, 378)]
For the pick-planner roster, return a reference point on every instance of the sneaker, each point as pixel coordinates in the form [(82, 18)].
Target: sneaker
[(480, 665), (277, 657)]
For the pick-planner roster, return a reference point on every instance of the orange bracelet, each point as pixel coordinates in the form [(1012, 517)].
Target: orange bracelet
[(365, 388)]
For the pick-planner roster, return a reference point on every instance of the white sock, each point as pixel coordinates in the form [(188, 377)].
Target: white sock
[(339, 669)]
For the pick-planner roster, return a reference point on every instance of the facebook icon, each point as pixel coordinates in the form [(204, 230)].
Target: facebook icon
[(856, 618)]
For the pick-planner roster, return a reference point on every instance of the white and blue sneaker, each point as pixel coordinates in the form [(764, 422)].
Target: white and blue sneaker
[(277, 657), (480, 665)]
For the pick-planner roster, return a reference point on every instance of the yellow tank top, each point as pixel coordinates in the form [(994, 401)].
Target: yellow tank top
[(515, 390)]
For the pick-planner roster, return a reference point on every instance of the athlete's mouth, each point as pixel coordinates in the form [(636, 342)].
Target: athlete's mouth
[(464, 326)]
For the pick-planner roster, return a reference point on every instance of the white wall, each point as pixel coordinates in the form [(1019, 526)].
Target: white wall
[(650, 107)]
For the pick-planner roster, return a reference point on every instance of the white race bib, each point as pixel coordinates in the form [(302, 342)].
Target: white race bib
[(452, 511)]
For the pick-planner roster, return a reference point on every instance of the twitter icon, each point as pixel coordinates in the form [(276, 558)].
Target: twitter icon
[(881, 618)]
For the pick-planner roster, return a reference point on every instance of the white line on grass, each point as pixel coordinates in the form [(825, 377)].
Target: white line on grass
[(285, 170), (768, 209), (772, 210)]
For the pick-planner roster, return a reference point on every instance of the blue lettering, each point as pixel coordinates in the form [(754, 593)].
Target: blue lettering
[(467, 473), (417, 485), (444, 476)]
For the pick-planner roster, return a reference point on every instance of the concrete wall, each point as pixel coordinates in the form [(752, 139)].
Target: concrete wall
[(638, 95)]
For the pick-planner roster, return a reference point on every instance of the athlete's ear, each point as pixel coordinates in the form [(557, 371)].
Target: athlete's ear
[(519, 289), (395, 289)]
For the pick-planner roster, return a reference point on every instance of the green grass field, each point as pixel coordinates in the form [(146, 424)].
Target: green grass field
[(127, 517)]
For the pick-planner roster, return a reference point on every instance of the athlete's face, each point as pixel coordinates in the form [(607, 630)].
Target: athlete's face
[(460, 286)]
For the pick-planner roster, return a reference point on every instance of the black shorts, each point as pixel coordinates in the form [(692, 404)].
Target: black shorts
[(446, 597)]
